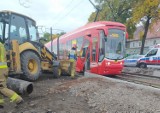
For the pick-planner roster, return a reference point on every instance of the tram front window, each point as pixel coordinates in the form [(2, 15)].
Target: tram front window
[(115, 44)]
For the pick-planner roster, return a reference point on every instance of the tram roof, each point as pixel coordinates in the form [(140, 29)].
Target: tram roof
[(94, 25)]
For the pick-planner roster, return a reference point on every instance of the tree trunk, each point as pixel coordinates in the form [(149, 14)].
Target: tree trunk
[(145, 34)]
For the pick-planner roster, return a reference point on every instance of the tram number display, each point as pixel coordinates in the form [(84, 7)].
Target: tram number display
[(114, 35)]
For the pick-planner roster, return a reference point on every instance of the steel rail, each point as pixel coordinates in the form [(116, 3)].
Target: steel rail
[(150, 76), (140, 79)]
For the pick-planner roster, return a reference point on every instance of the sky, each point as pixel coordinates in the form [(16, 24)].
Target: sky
[(66, 15)]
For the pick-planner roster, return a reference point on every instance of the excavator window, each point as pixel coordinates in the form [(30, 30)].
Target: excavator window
[(1, 32), (4, 27), (32, 30), (18, 29)]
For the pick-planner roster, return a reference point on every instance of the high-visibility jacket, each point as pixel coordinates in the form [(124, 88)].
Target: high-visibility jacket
[(72, 54), (3, 63), (14, 97)]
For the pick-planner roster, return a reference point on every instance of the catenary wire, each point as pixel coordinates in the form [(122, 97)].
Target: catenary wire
[(68, 12), (65, 9)]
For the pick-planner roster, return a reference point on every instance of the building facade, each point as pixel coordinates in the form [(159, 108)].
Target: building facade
[(153, 38)]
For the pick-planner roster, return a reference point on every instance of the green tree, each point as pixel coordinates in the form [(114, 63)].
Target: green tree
[(148, 12), (116, 10), (47, 36)]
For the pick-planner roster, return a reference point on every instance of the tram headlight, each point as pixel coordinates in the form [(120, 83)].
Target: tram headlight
[(108, 63), (121, 63)]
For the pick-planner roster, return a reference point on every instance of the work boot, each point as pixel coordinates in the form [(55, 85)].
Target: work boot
[(72, 76), (1, 106), (20, 103)]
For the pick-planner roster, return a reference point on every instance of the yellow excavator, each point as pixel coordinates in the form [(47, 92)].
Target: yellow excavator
[(26, 56)]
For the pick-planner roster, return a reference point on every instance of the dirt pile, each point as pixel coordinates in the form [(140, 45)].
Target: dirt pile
[(110, 97), (88, 95)]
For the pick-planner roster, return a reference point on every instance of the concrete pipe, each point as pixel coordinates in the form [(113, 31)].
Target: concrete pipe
[(20, 86)]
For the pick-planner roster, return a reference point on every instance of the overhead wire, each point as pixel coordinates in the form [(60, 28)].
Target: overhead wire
[(68, 12), (64, 9)]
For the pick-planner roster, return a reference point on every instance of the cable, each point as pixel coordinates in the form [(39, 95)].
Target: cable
[(68, 12), (65, 8)]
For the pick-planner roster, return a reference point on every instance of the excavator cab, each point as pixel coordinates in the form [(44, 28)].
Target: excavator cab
[(14, 26), (26, 56)]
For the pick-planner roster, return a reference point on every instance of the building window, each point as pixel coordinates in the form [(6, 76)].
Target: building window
[(140, 44), (146, 43), (154, 42), (133, 44)]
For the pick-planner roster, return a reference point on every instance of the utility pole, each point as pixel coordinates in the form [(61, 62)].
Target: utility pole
[(51, 29), (97, 9), (51, 40)]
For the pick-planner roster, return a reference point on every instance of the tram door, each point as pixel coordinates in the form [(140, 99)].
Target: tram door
[(83, 61), (86, 49), (94, 54)]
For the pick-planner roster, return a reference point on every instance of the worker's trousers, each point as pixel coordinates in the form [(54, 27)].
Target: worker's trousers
[(72, 68), (4, 91)]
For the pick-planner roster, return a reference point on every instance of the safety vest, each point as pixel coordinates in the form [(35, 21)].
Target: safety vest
[(72, 55), (3, 63)]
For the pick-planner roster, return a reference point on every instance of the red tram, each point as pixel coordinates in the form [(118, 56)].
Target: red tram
[(100, 47)]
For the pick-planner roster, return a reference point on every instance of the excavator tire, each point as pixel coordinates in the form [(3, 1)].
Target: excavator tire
[(31, 66), (56, 72)]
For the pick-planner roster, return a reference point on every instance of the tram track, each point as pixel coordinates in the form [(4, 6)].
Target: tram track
[(143, 79)]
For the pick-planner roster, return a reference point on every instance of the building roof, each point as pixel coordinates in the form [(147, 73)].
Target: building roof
[(153, 32)]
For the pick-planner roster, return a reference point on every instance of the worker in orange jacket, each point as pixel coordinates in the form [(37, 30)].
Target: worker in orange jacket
[(4, 91)]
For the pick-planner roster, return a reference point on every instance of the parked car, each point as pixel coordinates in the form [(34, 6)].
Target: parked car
[(132, 60)]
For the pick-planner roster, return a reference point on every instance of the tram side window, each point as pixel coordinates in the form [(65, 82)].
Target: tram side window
[(85, 47), (79, 43), (61, 50), (55, 48), (94, 46), (68, 47), (102, 46)]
